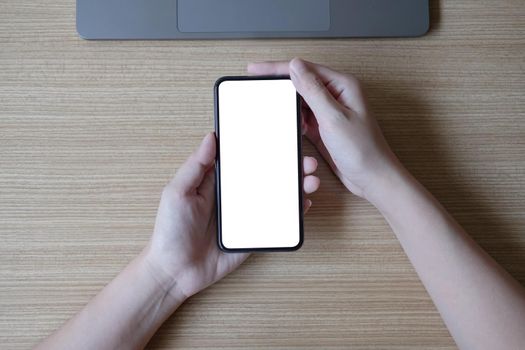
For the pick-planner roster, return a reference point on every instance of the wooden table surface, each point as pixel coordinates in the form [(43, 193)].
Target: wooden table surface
[(91, 131)]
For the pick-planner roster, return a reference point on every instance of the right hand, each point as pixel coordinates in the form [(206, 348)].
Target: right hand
[(337, 121)]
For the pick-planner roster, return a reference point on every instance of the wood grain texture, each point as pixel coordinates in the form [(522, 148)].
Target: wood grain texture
[(91, 131)]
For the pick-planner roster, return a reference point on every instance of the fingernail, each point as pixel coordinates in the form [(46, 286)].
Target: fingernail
[(293, 64), (293, 74)]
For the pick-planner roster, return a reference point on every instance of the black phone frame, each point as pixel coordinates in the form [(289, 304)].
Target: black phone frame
[(218, 167)]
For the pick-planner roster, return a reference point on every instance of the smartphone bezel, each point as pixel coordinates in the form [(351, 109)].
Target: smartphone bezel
[(218, 168)]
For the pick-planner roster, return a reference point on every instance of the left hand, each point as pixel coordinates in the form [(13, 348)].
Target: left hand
[(183, 250)]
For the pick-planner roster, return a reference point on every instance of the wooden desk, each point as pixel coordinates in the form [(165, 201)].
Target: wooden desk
[(91, 131)]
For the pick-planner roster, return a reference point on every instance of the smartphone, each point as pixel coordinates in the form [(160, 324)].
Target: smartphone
[(259, 164)]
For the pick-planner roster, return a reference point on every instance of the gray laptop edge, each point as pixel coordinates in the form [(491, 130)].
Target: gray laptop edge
[(230, 19)]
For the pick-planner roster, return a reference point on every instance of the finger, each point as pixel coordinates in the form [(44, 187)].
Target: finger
[(309, 123), (345, 88), (207, 187), (307, 205), (319, 145), (311, 184), (269, 68), (314, 92), (309, 165), (192, 172)]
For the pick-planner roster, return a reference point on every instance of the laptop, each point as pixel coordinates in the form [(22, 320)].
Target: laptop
[(236, 19)]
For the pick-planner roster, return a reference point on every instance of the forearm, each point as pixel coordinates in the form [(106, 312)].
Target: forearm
[(124, 315), (481, 304)]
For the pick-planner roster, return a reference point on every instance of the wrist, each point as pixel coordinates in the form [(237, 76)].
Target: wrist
[(164, 282), (391, 179)]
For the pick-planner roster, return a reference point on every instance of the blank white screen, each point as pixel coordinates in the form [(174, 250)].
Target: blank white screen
[(259, 164)]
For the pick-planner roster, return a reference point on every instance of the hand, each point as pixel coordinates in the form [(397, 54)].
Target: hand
[(183, 251), (337, 121)]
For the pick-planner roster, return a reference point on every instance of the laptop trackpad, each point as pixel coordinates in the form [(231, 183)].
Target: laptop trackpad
[(201, 16)]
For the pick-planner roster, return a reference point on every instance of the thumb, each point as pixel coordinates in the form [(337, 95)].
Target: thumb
[(192, 172), (313, 90)]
